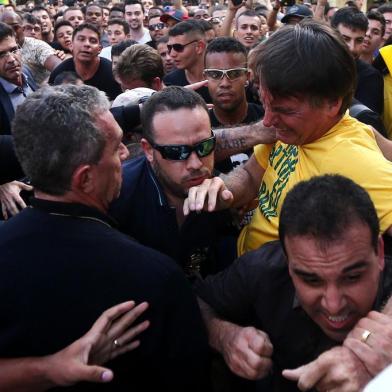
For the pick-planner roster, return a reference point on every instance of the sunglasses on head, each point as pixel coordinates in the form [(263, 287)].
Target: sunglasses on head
[(218, 74), (181, 152), (157, 26), (179, 47)]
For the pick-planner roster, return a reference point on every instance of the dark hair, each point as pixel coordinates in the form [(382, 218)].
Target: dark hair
[(117, 7), (375, 15), (308, 60), (350, 17), (170, 98), (140, 62), (117, 49), (226, 45), (324, 207), (61, 24), (66, 77), (40, 8), (121, 22), (87, 26), (132, 2), (187, 27), (387, 7), (6, 31), (94, 4), (68, 137), (204, 24), (29, 18)]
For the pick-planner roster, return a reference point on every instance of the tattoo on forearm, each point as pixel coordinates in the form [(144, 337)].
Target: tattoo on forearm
[(226, 142)]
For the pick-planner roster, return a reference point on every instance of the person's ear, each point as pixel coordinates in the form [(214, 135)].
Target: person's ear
[(83, 179), (148, 150)]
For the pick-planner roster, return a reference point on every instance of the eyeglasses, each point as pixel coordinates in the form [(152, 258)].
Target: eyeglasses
[(12, 52), (218, 74), (157, 26), (181, 152), (179, 48), (28, 28)]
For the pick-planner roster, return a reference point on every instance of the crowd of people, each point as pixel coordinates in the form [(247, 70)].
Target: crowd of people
[(195, 196)]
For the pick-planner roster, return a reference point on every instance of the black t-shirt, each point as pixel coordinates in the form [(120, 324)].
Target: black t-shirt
[(178, 78), (370, 86), (255, 113), (103, 79), (257, 290)]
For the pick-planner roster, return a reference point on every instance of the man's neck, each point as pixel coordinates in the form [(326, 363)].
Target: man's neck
[(232, 117), (72, 197), (137, 34), (48, 37), (195, 73), (86, 70), (367, 57)]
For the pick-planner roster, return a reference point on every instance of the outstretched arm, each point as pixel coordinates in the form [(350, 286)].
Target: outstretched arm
[(79, 361)]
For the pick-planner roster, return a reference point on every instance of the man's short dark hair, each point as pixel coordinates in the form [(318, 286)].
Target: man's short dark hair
[(87, 26), (387, 7), (309, 60), (66, 77), (170, 98), (29, 18), (132, 2), (350, 17), (187, 27), (6, 31), (119, 7), (40, 8), (226, 45), (68, 134), (117, 49), (376, 15), (325, 207), (93, 5), (59, 24), (120, 22)]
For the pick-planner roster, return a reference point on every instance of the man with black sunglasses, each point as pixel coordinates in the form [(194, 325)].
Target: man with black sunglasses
[(157, 30), (186, 46), (179, 148)]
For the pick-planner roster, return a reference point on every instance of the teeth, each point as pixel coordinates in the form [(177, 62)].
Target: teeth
[(338, 319)]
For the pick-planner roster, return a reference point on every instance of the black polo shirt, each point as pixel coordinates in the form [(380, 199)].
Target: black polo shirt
[(62, 265), (257, 290)]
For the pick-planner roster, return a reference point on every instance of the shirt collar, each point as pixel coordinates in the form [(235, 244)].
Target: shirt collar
[(72, 209), (10, 87)]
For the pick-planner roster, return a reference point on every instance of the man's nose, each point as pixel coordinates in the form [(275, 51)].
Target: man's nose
[(193, 162), (333, 300)]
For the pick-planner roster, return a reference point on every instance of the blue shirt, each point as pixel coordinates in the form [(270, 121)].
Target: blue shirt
[(142, 211)]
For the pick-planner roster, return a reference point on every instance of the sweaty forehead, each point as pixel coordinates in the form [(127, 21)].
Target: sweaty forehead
[(225, 60)]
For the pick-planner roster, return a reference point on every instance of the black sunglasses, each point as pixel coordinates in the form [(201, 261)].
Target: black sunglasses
[(181, 152), (158, 26), (179, 47)]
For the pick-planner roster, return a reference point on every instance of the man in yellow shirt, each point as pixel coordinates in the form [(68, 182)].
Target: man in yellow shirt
[(306, 80)]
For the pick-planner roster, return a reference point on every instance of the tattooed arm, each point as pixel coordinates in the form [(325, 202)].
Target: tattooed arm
[(230, 141)]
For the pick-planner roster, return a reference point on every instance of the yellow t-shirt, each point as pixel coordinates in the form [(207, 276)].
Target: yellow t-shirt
[(349, 149), (386, 53)]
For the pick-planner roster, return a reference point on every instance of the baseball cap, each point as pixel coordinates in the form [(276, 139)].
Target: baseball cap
[(299, 10), (177, 15)]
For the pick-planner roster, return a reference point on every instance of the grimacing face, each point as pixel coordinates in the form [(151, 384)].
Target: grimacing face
[(336, 283)]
